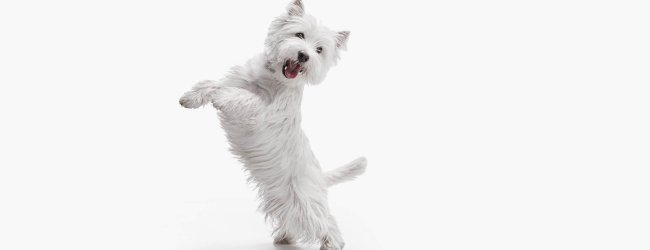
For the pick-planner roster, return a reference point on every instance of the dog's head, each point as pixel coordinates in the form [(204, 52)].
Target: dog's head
[(299, 48)]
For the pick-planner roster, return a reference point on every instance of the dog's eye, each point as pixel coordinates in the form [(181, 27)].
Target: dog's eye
[(319, 50), (300, 35)]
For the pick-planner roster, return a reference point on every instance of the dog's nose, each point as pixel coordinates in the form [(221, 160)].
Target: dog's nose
[(302, 56)]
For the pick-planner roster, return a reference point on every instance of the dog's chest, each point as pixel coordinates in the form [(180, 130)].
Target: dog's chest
[(277, 139), (282, 115), (276, 129)]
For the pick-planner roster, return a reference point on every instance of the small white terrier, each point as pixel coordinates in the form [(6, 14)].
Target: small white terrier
[(260, 112)]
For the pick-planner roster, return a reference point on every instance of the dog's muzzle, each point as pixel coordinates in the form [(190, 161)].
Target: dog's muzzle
[(291, 69)]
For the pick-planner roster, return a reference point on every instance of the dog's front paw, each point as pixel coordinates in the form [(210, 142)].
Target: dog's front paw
[(192, 100)]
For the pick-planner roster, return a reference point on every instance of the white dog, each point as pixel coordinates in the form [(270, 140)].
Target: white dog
[(260, 112)]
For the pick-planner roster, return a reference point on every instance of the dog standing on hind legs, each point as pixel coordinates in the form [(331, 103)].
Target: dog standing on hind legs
[(259, 104)]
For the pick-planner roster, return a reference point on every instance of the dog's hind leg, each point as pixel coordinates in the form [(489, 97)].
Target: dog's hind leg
[(333, 239), (283, 239)]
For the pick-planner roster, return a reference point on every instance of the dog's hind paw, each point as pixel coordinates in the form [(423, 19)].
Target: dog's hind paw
[(283, 241), (331, 244)]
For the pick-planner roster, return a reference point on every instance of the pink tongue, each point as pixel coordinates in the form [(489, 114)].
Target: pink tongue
[(292, 71)]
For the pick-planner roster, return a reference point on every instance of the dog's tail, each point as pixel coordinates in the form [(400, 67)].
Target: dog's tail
[(346, 172)]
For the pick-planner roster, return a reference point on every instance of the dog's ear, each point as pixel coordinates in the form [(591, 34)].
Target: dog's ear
[(296, 8), (342, 39)]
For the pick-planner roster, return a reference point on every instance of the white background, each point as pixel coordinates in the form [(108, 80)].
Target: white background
[(487, 124)]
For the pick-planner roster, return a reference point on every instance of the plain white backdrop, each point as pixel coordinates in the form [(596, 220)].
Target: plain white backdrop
[(487, 124)]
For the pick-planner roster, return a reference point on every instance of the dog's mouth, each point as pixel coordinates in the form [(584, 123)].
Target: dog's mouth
[(291, 69)]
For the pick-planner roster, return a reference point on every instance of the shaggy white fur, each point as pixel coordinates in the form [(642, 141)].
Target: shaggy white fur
[(260, 112)]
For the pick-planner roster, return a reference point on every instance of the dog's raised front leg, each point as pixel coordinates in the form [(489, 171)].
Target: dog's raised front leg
[(202, 93), (238, 105)]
